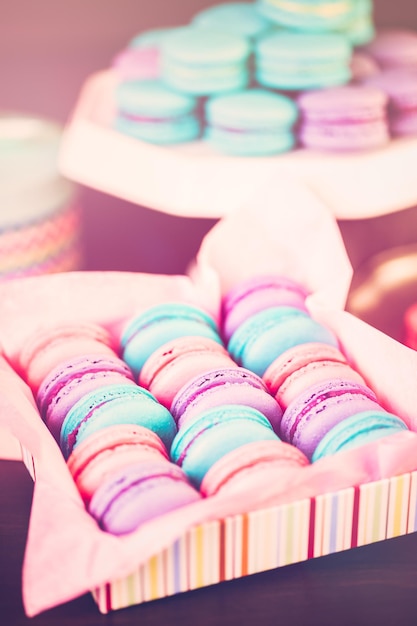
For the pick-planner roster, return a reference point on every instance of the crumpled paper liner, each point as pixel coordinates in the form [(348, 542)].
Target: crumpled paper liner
[(66, 553)]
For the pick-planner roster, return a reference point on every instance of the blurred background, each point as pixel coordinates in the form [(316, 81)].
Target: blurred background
[(49, 48)]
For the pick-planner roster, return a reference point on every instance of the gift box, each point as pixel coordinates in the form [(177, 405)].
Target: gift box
[(350, 499)]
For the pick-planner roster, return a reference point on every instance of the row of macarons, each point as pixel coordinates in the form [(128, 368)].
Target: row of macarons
[(261, 122), (192, 405), (296, 89), (142, 56)]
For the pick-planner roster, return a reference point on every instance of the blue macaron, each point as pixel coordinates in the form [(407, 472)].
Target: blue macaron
[(205, 61), (115, 404), (150, 111), (259, 340), (362, 428), (291, 60), (241, 18), (308, 15), (149, 330), (253, 122), (217, 431)]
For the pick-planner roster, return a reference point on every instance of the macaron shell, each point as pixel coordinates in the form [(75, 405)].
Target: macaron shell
[(56, 352), (256, 294), (266, 335), (65, 372), (202, 442), (74, 391), (235, 467), (357, 430), (116, 404), (227, 386), (177, 362), (151, 329), (139, 494), (108, 451), (312, 414)]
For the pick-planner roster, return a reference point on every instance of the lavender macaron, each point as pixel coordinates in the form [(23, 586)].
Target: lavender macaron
[(229, 385), (313, 413)]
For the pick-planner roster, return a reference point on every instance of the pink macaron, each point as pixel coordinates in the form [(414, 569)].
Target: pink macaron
[(306, 365), (51, 346), (175, 363), (254, 464), (348, 118), (108, 451), (393, 48), (400, 88)]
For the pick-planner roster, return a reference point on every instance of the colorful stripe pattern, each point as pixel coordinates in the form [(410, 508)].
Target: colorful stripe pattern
[(263, 540), (50, 245)]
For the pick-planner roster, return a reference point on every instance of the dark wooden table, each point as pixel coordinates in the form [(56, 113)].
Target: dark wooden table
[(375, 584)]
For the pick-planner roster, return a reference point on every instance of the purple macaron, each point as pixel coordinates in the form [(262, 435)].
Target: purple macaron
[(70, 381), (139, 493), (348, 118), (318, 409), (400, 88), (223, 386), (256, 294)]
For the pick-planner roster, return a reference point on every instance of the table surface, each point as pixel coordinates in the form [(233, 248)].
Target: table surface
[(374, 584)]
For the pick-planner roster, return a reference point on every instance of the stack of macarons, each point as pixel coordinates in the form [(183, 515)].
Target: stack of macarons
[(114, 434), (232, 76)]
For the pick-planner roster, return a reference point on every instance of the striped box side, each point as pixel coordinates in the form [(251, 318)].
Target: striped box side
[(373, 512), (333, 522), (398, 505), (412, 507)]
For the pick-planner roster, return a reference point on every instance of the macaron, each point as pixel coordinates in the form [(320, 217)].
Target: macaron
[(149, 330), (255, 294), (205, 61), (49, 347), (113, 405), (175, 363), (348, 118), (229, 385), (141, 58), (240, 18), (70, 381), (264, 336), (358, 430), (252, 465), (400, 87), (109, 450), (360, 29), (394, 48), (151, 111), (203, 441), (318, 409), (309, 15), (296, 61), (304, 366), (252, 122), (140, 493)]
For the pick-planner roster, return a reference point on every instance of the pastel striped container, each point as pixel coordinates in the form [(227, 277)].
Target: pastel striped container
[(270, 538), (267, 539), (40, 219)]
